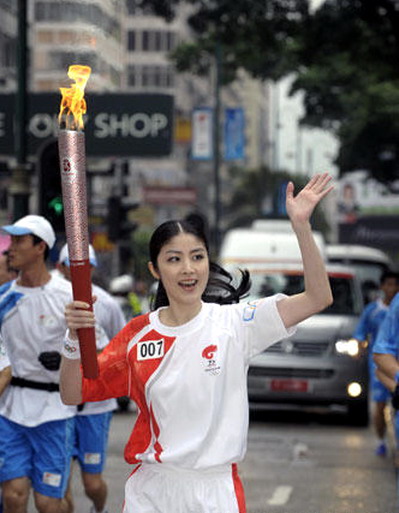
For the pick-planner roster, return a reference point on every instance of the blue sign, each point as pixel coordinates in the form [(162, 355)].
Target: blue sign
[(234, 137)]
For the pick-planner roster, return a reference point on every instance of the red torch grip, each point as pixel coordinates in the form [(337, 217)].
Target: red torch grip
[(81, 286)]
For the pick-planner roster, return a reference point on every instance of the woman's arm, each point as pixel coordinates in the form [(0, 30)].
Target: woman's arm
[(77, 315), (317, 294), (387, 364), (5, 378)]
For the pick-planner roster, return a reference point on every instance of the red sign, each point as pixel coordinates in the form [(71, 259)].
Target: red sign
[(170, 195), (289, 385)]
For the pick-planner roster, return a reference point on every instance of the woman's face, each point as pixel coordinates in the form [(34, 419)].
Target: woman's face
[(183, 268)]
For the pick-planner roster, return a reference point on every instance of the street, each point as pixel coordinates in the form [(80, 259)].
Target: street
[(297, 462)]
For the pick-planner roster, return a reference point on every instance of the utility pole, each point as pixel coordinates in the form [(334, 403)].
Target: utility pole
[(20, 183), (216, 146)]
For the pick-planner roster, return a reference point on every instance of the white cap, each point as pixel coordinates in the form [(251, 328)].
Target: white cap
[(32, 225), (121, 284), (64, 256)]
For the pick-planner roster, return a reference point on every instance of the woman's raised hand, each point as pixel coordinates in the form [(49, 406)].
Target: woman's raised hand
[(301, 206), (78, 315)]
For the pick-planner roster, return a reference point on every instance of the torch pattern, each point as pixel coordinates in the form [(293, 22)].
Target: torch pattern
[(73, 176)]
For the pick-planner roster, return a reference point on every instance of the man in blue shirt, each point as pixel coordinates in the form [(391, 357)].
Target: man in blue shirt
[(386, 354), (367, 329)]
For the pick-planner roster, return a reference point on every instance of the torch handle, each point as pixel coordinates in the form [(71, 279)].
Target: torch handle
[(81, 286), (73, 178)]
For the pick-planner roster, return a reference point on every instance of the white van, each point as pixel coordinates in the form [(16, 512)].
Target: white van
[(368, 262), (267, 243)]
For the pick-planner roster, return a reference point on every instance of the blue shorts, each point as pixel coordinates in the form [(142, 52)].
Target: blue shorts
[(91, 440), (42, 453), (379, 392)]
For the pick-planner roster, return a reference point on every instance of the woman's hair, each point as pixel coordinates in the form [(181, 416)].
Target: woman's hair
[(220, 288)]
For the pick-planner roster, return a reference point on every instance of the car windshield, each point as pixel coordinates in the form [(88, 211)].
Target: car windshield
[(345, 300)]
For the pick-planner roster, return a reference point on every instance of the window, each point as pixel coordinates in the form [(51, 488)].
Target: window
[(158, 41), (62, 60), (146, 41), (72, 12), (131, 76), (170, 41), (45, 36), (131, 40)]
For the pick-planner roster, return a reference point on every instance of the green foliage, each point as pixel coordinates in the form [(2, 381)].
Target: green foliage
[(345, 56)]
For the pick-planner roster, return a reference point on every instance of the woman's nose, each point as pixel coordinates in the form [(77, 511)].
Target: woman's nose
[(187, 265)]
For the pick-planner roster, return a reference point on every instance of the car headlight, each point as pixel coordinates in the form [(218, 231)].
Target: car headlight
[(350, 347)]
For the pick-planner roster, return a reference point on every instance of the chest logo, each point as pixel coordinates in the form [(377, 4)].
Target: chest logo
[(209, 355), (150, 349)]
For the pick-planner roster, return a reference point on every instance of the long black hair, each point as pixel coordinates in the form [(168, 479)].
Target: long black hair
[(220, 288)]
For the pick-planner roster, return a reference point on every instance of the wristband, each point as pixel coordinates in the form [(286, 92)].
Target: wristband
[(70, 348), (397, 377)]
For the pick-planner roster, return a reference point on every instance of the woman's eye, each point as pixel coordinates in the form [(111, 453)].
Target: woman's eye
[(173, 259), (199, 256)]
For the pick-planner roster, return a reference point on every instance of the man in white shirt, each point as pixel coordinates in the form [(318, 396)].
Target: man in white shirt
[(38, 427), (93, 419)]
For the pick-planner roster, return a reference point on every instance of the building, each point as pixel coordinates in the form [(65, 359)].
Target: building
[(88, 33)]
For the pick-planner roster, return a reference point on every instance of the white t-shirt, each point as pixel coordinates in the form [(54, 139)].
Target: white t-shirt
[(4, 361), (32, 321), (189, 382)]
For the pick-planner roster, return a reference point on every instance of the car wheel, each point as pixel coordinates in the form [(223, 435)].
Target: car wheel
[(358, 413)]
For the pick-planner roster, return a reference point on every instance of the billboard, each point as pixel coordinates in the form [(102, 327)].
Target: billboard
[(202, 134), (368, 211), (131, 125)]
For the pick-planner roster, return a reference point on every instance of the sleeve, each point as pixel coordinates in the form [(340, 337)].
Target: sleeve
[(117, 319), (258, 324), (362, 329), (387, 340), (113, 377), (4, 361)]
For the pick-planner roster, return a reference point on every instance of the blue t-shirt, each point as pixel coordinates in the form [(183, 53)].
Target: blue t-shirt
[(370, 321), (387, 340)]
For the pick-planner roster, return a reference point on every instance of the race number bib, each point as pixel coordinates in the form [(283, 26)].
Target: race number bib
[(150, 349)]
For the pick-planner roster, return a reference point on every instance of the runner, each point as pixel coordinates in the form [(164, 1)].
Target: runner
[(93, 419), (367, 329), (38, 427), (185, 364)]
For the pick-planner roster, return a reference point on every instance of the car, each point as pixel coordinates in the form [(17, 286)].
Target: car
[(369, 263), (321, 364)]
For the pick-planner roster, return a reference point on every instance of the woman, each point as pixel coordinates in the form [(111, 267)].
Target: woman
[(185, 365)]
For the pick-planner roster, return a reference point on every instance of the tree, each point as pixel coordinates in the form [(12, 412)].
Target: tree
[(344, 55)]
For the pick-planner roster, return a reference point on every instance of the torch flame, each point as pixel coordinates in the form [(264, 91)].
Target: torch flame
[(73, 104)]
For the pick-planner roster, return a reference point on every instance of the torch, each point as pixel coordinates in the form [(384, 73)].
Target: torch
[(71, 144)]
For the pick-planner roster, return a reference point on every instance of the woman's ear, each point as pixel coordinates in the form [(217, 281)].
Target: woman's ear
[(153, 271)]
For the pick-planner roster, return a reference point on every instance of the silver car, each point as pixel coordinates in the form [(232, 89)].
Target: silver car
[(320, 364)]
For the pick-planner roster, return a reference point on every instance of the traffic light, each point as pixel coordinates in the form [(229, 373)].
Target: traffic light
[(50, 190), (118, 225)]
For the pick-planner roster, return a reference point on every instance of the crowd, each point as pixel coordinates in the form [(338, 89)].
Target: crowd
[(183, 362)]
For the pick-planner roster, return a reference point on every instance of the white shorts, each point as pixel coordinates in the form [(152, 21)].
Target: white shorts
[(163, 489)]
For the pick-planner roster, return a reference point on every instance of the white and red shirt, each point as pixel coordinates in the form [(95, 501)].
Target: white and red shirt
[(109, 321), (189, 382)]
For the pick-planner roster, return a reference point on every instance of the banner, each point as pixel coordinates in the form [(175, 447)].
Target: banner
[(234, 136), (118, 124), (202, 127)]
